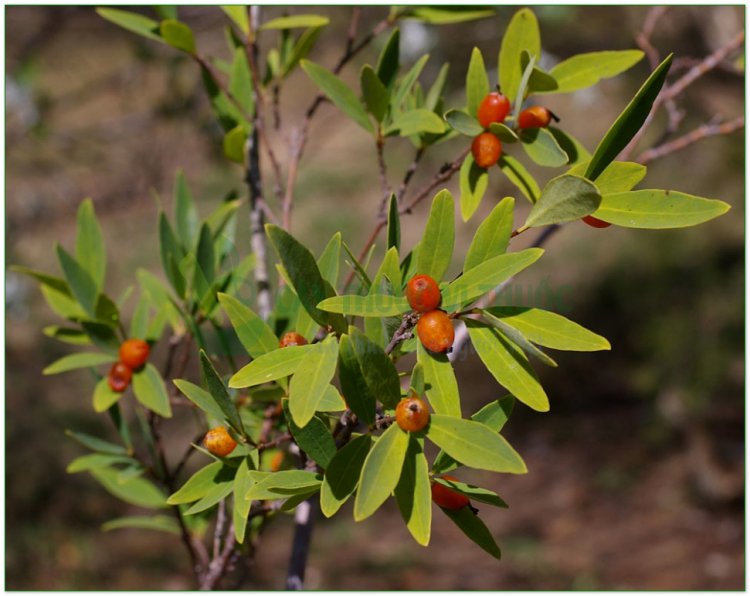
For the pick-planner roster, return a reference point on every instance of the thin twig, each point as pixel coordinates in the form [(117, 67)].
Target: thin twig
[(403, 332), (384, 187), (409, 173), (445, 174)]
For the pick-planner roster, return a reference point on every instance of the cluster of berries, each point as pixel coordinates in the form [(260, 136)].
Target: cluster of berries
[(133, 355)]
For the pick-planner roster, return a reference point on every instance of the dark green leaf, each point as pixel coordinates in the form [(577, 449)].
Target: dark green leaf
[(67, 335), (565, 198), (205, 266), (378, 370), (492, 236), (91, 253), (474, 528), (148, 387), (374, 93), (166, 11), (394, 225), (353, 383), (178, 35), (387, 67), (475, 493), (314, 438), (342, 475), (171, 254), (80, 282), (220, 394)]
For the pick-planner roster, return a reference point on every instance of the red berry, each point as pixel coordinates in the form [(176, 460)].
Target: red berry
[(219, 442), (448, 498), (435, 331), (423, 293), (494, 108), (119, 377), (412, 414), (534, 117), (134, 353), (292, 338), (486, 149), (595, 222)]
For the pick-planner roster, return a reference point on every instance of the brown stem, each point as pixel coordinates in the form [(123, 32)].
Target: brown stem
[(409, 173), (403, 332)]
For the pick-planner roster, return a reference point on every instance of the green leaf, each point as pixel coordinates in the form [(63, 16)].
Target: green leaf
[(477, 83), (447, 15), (381, 471), (393, 233), (474, 528), (178, 35), (331, 401), (50, 281), (67, 335), (220, 394), (171, 254), (414, 495), (302, 48), (565, 198), (440, 382), (284, 484), (269, 367), (200, 397), (521, 35), (241, 82), (338, 92), (353, 383), (387, 281), (416, 382), (148, 387), (374, 93), (377, 368), (204, 273), (243, 481), (416, 122), (80, 360), (434, 95), (314, 438), (80, 282), (507, 363), (463, 123), (387, 66), (296, 22), (658, 209), (224, 484), (405, 85), (473, 182), (372, 305), (481, 279), (238, 15), (97, 460), (342, 474), (310, 380), (542, 147), (90, 249), (136, 490), (519, 339), (492, 236), (197, 486), (254, 334), (159, 523), (475, 493), (131, 21), (619, 176), (628, 122), (328, 265), (503, 132), (576, 152), (584, 70), (517, 173), (436, 248), (305, 276), (474, 445), (104, 396), (96, 444)]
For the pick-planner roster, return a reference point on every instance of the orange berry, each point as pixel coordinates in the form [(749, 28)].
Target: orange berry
[(447, 498), (119, 377), (292, 338), (219, 442), (423, 293), (494, 108), (486, 149), (412, 414), (595, 222), (535, 117), (435, 331), (134, 353), (276, 461)]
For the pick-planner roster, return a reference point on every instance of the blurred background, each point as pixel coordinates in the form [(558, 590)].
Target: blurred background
[(636, 476)]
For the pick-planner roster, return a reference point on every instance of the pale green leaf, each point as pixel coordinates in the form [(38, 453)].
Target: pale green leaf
[(492, 236), (584, 70), (433, 256), (565, 198)]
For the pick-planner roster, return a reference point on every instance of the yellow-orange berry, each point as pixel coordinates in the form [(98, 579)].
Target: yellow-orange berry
[(423, 293), (435, 331), (412, 414), (292, 338), (134, 353), (119, 377), (448, 498), (219, 442), (276, 461), (486, 149), (494, 108), (535, 117)]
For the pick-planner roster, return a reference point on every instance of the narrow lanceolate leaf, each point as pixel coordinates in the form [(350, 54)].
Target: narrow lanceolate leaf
[(96, 444), (159, 523), (440, 382), (436, 248), (256, 336), (296, 22), (463, 123), (387, 66), (477, 83), (658, 209), (473, 182), (241, 83), (136, 491), (550, 329), (197, 486), (474, 528), (372, 305), (80, 360), (90, 250), (243, 481), (171, 255), (474, 444), (314, 438), (342, 474), (132, 22), (507, 363), (219, 392), (224, 483), (413, 494), (238, 14), (521, 35), (104, 396), (148, 387), (80, 282), (269, 367), (584, 70), (406, 83), (475, 493), (416, 382), (445, 15), (628, 122), (519, 339), (338, 92), (204, 272), (201, 398), (492, 236), (565, 198), (178, 35), (97, 460), (381, 471), (415, 122), (542, 147), (353, 383), (576, 152), (285, 484), (519, 176), (619, 176), (394, 225), (374, 93), (485, 276), (311, 379)]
